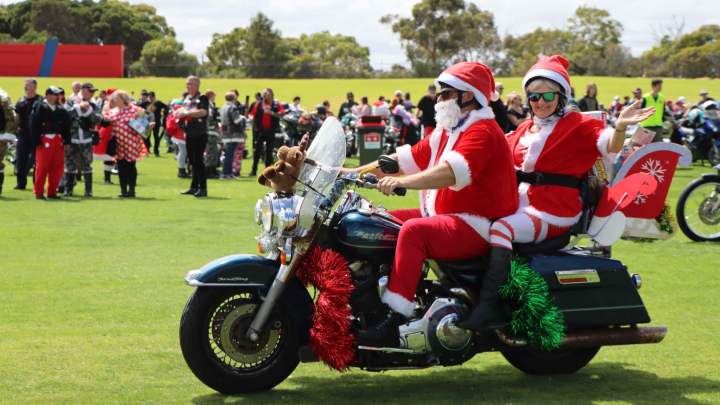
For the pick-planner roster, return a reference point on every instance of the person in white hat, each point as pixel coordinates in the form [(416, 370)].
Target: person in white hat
[(465, 176), (553, 152)]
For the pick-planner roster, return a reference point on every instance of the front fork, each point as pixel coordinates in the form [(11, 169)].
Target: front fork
[(276, 289)]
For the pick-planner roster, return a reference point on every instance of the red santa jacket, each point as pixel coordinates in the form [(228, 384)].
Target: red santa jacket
[(570, 146), (479, 156)]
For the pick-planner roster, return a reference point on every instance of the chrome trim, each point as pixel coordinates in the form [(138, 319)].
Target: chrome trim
[(386, 349)]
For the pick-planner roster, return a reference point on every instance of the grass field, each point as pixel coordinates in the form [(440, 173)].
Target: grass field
[(313, 92), (92, 291)]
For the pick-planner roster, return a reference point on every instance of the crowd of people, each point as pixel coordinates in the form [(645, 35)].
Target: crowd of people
[(60, 135)]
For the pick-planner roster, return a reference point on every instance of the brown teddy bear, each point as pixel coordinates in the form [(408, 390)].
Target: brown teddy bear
[(283, 175)]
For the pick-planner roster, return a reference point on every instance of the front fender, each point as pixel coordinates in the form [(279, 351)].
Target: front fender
[(235, 270)]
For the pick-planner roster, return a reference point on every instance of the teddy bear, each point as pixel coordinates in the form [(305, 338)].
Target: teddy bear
[(283, 175)]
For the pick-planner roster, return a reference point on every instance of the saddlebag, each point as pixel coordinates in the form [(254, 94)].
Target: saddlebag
[(591, 291)]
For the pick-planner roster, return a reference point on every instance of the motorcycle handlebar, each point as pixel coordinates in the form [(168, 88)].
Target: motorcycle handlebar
[(400, 191)]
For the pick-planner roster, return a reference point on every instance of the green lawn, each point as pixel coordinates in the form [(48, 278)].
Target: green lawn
[(92, 292), (313, 92)]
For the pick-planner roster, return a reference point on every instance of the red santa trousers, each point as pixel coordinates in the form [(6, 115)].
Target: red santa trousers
[(523, 228), (440, 237), (49, 164)]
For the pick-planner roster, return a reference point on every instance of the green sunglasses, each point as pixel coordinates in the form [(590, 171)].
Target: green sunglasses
[(547, 96)]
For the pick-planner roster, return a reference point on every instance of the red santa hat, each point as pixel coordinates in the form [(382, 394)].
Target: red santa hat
[(470, 76), (553, 67)]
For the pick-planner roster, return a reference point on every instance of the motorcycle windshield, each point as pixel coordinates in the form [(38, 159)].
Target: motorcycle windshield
[(325, 157)]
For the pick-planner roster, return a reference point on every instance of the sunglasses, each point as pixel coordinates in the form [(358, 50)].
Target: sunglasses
[(446, 94), (547, 96)]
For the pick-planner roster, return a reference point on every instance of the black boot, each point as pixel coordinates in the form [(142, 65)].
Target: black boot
[(384, 334), (108, 177), (2, 180), (202, 192), (488, 314), (88, 184), (63, 183), (182, 173), (69, 184)]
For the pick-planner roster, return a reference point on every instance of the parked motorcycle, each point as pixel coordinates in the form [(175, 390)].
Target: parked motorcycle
[(247, 325), (350, 122), (700, 133), (391, 139), (698, 208)]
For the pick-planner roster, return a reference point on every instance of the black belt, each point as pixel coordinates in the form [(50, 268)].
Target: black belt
[(548, 179)]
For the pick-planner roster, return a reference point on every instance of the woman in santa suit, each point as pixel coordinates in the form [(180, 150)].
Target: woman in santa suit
[(552, 154), (466, 179)]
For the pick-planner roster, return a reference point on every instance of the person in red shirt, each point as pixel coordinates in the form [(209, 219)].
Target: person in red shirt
[(265, 115), (465, 173)]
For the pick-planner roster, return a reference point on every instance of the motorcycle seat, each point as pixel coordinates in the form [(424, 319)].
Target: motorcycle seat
[(470, 271)]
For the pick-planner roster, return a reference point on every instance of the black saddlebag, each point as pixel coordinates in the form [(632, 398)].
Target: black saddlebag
[(591, 291)]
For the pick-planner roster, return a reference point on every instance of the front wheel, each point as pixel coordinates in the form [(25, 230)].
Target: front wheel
[(565, 361), (213, 342), (698, 209)]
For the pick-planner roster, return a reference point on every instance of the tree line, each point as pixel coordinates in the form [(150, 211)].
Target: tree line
[(436, 34)]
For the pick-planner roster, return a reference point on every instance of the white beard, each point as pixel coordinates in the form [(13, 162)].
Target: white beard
[(447, 114)]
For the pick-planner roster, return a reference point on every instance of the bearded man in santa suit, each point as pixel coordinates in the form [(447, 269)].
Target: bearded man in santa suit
[(552, 153), (465, 173)]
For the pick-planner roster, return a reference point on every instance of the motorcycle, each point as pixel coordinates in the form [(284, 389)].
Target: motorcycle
[(698, 208), (700, 133), (349, 122), (247, 325), (392, 139)]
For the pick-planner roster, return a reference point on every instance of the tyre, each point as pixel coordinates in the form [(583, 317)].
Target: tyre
[(213, 342), (713, 155), (565, 361), (698, 209)]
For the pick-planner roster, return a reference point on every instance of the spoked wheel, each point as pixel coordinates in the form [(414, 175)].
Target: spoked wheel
[(698, 209), (213, 342), (565, 361)]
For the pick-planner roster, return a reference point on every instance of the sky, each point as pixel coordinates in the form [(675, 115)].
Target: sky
[(195, 22)]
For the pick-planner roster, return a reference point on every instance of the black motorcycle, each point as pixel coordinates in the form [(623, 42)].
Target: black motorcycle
[(247, 325), (698, 209)]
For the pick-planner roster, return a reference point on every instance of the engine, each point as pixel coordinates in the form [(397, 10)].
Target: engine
[(436, 332)]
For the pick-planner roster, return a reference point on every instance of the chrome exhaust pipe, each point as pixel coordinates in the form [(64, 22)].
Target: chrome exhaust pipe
[(598, 337)]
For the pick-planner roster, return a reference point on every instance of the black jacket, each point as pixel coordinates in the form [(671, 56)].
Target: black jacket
[(45, 120)]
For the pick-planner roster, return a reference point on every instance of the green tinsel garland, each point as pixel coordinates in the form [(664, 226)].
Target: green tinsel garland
[(535, 316)]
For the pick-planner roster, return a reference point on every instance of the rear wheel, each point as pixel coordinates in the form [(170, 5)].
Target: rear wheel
[(565, 361), (213, 342)]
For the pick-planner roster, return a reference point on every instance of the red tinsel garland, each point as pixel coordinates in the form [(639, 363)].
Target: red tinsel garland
[(330, 336)]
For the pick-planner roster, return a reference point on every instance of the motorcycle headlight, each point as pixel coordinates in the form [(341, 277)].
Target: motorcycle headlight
[(264, 213)]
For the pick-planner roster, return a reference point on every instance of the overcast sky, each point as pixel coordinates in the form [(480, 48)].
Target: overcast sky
[(196, 21)]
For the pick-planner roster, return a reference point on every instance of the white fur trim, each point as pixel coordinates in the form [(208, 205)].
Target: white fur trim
[(455, 82), (548, 74), (406, 160), (8, 137), (461, 169), (535, 144), (398, 303), (603, 142), (525, 207), (550, 218), (481, 225)]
